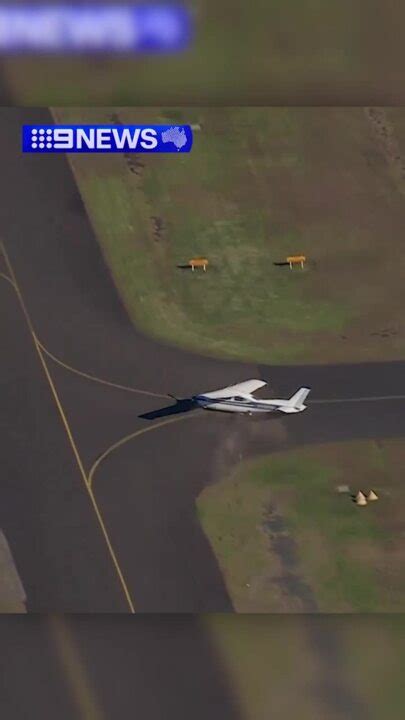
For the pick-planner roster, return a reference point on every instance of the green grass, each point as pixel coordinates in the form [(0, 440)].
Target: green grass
[(259, 185), (341, 549), (376, 662), (269, 664), (275, 668)]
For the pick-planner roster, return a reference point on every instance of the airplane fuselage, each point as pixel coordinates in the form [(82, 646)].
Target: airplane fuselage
[(239, 399), (235, 406)]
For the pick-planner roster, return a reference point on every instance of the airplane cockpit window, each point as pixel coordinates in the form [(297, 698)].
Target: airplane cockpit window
[(239, 398)]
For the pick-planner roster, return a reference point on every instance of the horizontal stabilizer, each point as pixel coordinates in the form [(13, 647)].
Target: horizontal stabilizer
[(291, 408)]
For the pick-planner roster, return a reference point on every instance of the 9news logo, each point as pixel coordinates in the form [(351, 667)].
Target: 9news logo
[(41, 139), (106, 138)]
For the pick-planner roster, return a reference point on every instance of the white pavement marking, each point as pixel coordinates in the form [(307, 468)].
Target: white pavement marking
[(358, 399)]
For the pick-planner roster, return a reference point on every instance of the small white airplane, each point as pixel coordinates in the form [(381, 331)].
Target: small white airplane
[(239, 398)]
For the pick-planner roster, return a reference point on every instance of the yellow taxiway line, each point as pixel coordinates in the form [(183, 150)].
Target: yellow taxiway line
[(69, 434), (75, 672), (94, 378), (6, 277), (129, 437)]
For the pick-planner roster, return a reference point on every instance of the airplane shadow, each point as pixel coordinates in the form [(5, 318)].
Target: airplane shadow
[(188, 405), (181, 406)]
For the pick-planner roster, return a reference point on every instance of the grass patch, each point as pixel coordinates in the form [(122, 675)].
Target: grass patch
[(269, 664), (344, 554), (376, 662), (276, 670), (258, 185)]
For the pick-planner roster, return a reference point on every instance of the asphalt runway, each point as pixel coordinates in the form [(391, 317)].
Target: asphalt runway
[(98, 502), (109, 667), (42, 504), (104, 667)]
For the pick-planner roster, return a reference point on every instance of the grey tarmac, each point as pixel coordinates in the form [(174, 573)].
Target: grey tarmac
[(120, 532)]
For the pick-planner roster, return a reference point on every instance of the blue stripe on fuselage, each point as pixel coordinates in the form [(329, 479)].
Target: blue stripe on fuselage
[(237, 403)]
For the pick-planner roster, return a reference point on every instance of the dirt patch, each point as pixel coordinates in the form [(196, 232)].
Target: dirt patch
[(384, 131), (285, 548), (157, 227)]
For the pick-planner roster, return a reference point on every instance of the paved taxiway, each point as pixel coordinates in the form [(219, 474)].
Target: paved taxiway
[(108, 667), (97, 503)]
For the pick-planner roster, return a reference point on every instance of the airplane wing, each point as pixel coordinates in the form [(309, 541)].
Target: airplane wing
[(248, 386)]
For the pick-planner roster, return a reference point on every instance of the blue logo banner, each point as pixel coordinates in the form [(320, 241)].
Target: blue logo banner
[(107, 138), (96, 27)]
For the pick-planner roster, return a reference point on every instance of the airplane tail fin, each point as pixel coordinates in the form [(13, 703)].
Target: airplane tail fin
[(296, 402)]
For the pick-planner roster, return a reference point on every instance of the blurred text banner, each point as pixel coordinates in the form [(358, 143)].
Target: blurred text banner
[(99, 27), (203, 52)]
